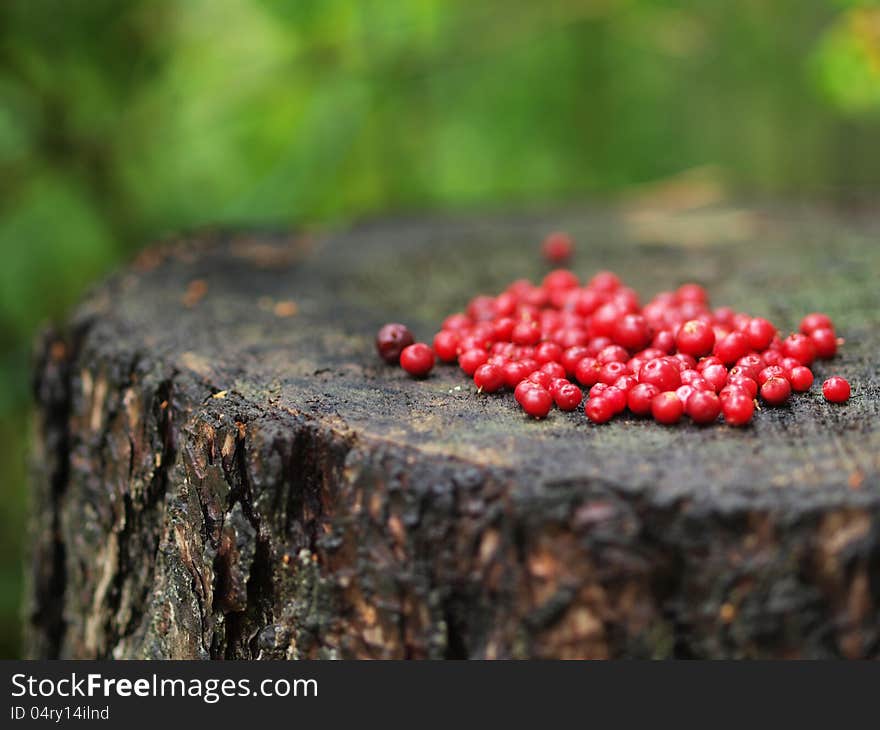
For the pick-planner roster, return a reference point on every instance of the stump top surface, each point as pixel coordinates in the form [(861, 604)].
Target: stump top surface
[(283, 325)]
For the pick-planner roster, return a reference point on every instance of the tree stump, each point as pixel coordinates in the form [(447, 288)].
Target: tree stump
[(225, 469)]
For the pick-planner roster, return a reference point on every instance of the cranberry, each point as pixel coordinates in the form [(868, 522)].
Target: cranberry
[(667, 408), (522, 388), (737, 409), (716, 376), (684, 392), (816, 321), (605, 281), (692, 293), (457, 321), (611, 371), (801, 378), (771, 371), (539, 377), (616, 397), (489, 378), (548, 352), (537, 402), (391, 340), (749, 385), (703, 407), (526, 333), (557, 247), (568, 397), (588, 371), (760, 333), (836, 390), (470, 360), (824, 342), (776, 391), (502, 328), (571, 357), (553, 369), (800, 347), (661, 373), (632, 332), (639, 398), (417, 359), (626, 383), (446, 345), (612, 353), (695, 338), (732, 347), (599, 410)]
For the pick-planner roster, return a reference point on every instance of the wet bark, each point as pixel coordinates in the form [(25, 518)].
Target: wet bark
[(224, 469)]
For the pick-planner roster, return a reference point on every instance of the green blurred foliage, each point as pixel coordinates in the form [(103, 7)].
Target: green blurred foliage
[(122, 120)]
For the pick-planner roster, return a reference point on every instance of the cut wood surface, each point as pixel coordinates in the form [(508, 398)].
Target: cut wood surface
[(223, 468)]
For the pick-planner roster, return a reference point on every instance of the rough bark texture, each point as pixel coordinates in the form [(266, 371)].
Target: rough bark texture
[(224, 469)]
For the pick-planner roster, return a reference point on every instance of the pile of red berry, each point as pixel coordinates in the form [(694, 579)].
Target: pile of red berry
[(672, 357)]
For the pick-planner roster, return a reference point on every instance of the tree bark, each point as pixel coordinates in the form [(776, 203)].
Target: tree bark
[(224, 469)]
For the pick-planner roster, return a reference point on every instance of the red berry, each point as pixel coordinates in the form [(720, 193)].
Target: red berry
[(548, 352), (776, 391), (695, 338), (749, 385), (616, 397), (417, 359), (539, 377), (661, 373), (816, 321), (639, 398), (502, 328), (836, 390), (588, 371), (732, 347), (691, 293), (568, 397), (605, 281), (526, 333), (571, 357), (457, 321), (760, 333), (632, 332), (489, 378), (553, 369), (684, 392), (446, 345), (626, 383), (599, 410), (557, 247), (515, 372), (824, 342), (612, 353), (703, 406), (716, 376), (800, 347), (536, 401), (470, 360), (801, 378), (391, 340), (771, 371), (737, 409), (667, 408), (611, 371)]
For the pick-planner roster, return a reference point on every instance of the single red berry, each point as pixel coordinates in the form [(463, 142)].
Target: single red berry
[(661, 373), (557, 247), (816, 321), (612, 353), (553, 369), (695, 338), (692, 293), (703, 407), (417, 359), (771, 371), (560, 279), (626, 383), (737, 409), (664, 340), (760, 332), (588, 371), (616, 397), (537, 402), (611, 371), (605, 281), (632, 332), (446, 345), (571, 356), (639, 398), (667, 408), (470, 360), (489, 378), (457, 321), (705, 362), (539, 377), (716, 376), (391, 340), (684, 392), (772, 357), (548, 352), (836, 390), (800, 347), (526, 333), (732, 347), (684, 361), (776, 391), (801, 378), (749, 385), (568, 397), (599, 410), (502, 329), (556, 384), (520, 390), (824, 342)]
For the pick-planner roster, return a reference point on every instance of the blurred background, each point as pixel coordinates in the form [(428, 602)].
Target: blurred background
[(120, 121)]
